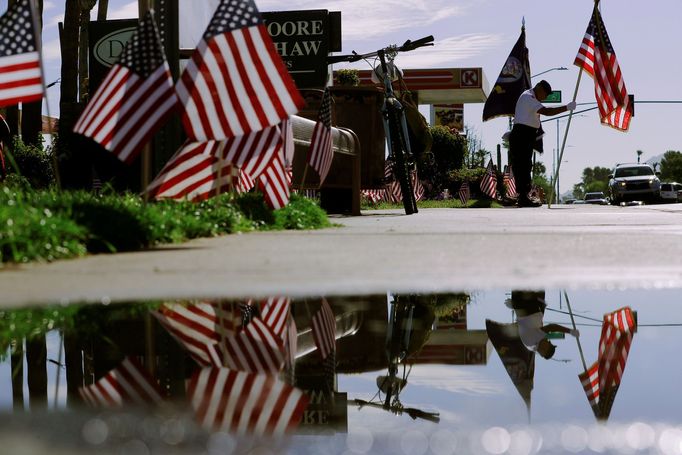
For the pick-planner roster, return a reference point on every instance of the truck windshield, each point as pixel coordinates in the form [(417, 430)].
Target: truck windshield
[(633, 171)]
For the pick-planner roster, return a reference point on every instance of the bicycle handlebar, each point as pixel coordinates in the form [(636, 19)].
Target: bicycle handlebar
[(407, 46)]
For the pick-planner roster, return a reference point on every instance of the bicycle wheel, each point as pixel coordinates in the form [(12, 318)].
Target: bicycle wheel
[(401, 168)]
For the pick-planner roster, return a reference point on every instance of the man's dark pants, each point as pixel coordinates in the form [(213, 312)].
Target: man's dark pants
[(521, 142)]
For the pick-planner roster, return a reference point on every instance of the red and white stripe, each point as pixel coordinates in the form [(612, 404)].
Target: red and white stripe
[(253, 152), (127, 383), (235, 84), (21, 78), (194, 327), (598, 59), (321, 154), (127, 110), (256, 349), (374, 195), (489, 181), (510, 182), (274, 183), (275, 314), (194, 173), (590, 382), (614, 346), (324, 329), (244, 403)]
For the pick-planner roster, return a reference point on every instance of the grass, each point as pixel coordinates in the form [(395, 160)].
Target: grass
[(47, 224), (433, 204)]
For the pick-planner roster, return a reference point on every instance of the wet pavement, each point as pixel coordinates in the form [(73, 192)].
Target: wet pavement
[(429, 316), (436, 250), (406, 373)]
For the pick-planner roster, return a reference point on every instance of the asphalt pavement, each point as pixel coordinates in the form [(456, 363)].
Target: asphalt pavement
[(436, 250)]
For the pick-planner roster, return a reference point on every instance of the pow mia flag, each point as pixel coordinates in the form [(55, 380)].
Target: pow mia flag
[(513, 80)]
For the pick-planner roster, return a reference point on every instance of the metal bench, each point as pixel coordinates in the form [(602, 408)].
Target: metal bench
[(341, 189)]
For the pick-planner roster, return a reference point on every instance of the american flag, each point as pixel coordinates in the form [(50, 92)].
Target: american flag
[(464, 193), (375, 195), (255, 349), (274, 184), (320, 154), (417, 186), (235, 82), (602, 379), (275, 313), (21, 77), (245, 403), (135, 98), (597, 57), (489, 181), (509, 182), (125, 384), (254, 152), (324, 329), (194, 326), (195, 173)]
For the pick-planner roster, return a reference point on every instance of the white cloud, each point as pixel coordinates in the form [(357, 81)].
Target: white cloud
[(128, 11), (445, 52), (454, 380), (48, 5), (364, 19), (52, 50)]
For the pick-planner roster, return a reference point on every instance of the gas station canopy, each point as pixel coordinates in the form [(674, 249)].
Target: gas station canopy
[(443, 85)]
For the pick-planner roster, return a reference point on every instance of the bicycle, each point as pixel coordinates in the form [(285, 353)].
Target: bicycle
[(398, 335), (393, 113)]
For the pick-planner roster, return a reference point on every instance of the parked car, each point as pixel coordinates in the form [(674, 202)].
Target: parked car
[(634, 182), (596, 197), (670, 192)]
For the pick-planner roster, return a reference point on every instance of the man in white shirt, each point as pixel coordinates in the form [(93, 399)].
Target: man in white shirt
[(526, 123)]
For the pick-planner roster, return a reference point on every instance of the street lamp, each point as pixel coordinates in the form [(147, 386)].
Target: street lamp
[(639, 153), (558, 68)]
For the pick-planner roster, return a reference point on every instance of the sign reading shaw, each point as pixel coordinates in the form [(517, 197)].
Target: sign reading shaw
[(304, 39)]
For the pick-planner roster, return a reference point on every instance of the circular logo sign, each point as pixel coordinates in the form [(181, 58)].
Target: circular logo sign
[(108, 48), (511, 71)]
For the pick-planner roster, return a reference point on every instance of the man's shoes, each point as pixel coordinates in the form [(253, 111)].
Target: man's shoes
[(529, 203)]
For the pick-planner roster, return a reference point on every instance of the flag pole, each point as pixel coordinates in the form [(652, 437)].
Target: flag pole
[(563, 143), (577, 339)]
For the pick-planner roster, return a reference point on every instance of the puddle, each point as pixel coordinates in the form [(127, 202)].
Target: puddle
[(442, 374)]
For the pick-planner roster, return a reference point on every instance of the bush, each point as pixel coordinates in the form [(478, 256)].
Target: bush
[(33, 163), (348, 77), (446, 156), (300, 213), (29, 233), (50, 225)]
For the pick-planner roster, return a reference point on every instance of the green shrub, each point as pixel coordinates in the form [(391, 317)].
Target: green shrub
[(446, 156), (300, 213), (29, 233), (33, 163), (253, 206), (348, 77)]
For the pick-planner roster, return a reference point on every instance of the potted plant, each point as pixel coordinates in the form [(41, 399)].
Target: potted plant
[(348, 77)]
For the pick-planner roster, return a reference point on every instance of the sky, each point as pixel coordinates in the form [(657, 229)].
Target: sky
[(481, 33)]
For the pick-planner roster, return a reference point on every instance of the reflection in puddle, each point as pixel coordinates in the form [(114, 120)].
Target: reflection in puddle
[(482, 372)]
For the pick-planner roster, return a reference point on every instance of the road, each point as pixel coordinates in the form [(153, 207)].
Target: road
[(436, 250)]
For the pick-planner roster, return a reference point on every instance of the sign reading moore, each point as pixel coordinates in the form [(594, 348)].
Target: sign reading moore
[(304, 39)]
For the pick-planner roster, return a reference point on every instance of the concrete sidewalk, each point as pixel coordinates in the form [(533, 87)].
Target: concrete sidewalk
[(436, 250)]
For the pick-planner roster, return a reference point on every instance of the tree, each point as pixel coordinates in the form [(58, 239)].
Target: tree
[(671, 166)]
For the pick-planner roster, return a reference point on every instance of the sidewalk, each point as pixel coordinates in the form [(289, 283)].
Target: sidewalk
[(436, 250)]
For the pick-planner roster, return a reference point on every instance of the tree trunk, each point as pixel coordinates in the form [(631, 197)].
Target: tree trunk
[(36, 361), (17, 365), (31, 116)]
